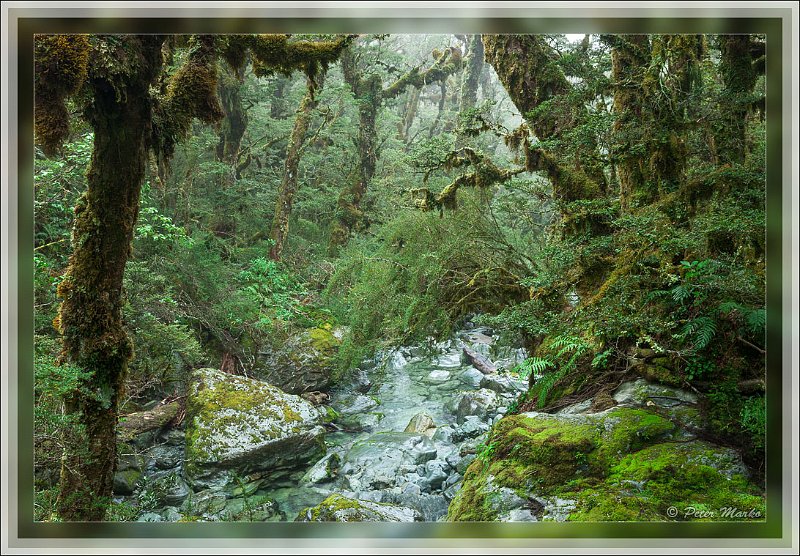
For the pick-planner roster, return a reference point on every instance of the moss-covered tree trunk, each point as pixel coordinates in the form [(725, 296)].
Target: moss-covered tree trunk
[(283, 206), (630, 57), (410, 114), (370, 94), (739, 78), (90, 317), (469, 86), (235, 122)]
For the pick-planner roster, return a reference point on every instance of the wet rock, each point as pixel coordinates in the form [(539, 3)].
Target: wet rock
[(324, 470), (472, 427), (355, 403), (480, 403), (437, 376), (421, 423), (244, 425), (472, 377), (444, 434), (150, 517), (430, 506), (503, 384), (361, 381), (340, 508), (171, 514), (126, 481), (379, 460), (435, 474)]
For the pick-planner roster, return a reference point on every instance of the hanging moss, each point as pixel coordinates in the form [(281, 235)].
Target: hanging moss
[(61, 64), (191, 93), (276, 53)]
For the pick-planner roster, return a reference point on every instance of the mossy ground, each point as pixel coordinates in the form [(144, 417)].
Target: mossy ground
[(621, 465)]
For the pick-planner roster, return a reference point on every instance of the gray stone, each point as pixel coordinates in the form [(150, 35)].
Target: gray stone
[(472, 377), (340, 508), (464, 463), (519, 515), (241, 425), (171, 513), (639, 392), (421, 423), (324, 470), (481, 403), (437, 376), (443, 434), (150, 517), (472, 427), (503, 384)]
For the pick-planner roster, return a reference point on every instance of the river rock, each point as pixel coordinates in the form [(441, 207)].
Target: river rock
[(240, 425), (340, 508), (437, 376), (421, 423), (304, 363), (380, 460), (503, 384), (324, 470), (472, 377), (472, 427), (481, 403)]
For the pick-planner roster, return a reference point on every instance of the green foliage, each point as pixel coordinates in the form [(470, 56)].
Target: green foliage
[(754, 420), (53, 429)]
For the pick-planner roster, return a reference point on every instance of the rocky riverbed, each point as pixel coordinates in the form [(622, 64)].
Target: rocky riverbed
[(400, 433), (422, 434)]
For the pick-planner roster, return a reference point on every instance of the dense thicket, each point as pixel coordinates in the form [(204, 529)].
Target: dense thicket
[(198, 201)]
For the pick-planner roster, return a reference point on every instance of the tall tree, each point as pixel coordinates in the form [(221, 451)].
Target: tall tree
[(370, 94), (128, 116), (283, 206), (472, 73)]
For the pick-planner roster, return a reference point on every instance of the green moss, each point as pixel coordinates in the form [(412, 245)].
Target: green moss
[(61, 64), (207, 407), (616, 466), (323, 340), (328, 508), (631, 429)]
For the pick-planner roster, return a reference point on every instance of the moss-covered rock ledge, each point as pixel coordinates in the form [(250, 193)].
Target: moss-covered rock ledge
[(240, 426), (342, 508), (633, 462)]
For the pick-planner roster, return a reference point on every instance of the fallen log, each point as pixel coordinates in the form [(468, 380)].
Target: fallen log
[(479, 361), (134, 424)]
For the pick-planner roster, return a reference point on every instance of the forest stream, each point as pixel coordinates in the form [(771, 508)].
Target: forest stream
[(432, 391)]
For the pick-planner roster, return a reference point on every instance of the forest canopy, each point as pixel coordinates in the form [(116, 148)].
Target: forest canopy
[(215, 201)]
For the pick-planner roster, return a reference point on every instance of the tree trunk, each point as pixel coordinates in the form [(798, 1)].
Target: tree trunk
[(630, 57), (349, 215), (442, 100), (411, 114), (739, 78), (283, 206), (90, 316), (469, 87), (235, 122)]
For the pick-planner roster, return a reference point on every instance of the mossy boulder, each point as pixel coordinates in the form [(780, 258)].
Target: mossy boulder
[(622, 464), (240, 426), (341, 508), (304, 363)]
